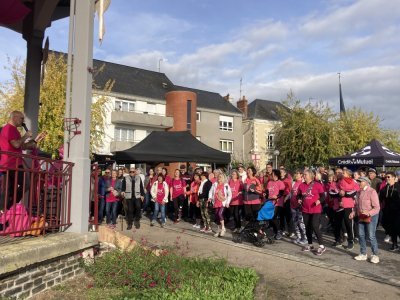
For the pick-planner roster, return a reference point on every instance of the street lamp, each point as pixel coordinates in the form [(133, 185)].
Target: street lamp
[(159, 63), (276, 153)]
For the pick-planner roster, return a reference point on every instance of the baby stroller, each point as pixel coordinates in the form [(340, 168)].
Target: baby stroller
[(255, 231)]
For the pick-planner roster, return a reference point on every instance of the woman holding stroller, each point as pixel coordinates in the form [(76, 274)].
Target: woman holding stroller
[(220, 195), (275, 191), (310, 196), (252, 195)]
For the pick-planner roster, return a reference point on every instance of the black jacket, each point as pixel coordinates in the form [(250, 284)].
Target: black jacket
[(206, 189)]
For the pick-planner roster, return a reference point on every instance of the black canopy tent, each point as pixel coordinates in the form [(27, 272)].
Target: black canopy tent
[(373, 154), (171, 146)]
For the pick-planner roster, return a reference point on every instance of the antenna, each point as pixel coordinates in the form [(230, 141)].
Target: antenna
[(339, 76), (240, 90)]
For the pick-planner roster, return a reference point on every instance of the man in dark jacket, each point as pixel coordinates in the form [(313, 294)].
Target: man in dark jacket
[(137, 197)]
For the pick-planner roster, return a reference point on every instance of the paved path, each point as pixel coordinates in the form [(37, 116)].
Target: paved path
[(289, 273)]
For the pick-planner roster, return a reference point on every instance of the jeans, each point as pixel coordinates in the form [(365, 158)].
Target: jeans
[(147, 201), (368, 230), (102, 205), (157, 208), (111, 212), (298, 222)]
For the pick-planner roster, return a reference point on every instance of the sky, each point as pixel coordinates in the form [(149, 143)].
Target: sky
[(273, 46)]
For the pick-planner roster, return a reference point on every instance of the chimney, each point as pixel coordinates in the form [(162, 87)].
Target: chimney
[(226, 97), (242, 105)]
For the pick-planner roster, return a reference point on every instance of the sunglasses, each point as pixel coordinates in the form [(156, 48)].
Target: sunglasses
[(106, 172), (131, 171)]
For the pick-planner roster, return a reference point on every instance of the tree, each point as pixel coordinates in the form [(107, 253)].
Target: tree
[(304, 133), (52, 102), (311, 134)]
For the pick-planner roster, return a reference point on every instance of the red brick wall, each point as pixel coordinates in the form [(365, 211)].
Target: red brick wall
[(176, 107)]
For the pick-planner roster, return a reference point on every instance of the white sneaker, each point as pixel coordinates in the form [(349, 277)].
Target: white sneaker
[(222, 232), (387, 239), (374, 259), (361, 257), (217, 234)]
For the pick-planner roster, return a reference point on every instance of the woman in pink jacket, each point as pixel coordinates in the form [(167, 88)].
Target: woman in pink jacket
[(344, 206), (367, 209)]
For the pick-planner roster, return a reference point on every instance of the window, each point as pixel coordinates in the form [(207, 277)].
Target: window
[(270, 141), (122, 105), (123, 134), (139, 135), (225, 123), (151, 109), (189, 115), (226, 146), (198, 116)]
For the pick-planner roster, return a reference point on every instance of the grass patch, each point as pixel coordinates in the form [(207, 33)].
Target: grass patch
[(140, 274)]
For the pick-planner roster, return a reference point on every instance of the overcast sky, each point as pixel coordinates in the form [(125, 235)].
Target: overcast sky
[(273, 45)]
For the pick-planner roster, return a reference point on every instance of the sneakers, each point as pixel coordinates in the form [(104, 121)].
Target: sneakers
[(129, 227), (361, 257), (374, 259), (350, 246), (203, 229), (303, 241), (394, 248), (387, 239), (307, 248), (336, 244), (196, 226), (278, 236), (320, 251), (162, 225), (300, 241), (292, 235), (222, 233), (177, 221), (152, 223)]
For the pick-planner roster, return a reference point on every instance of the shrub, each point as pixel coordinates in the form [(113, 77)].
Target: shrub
[(140, 274)]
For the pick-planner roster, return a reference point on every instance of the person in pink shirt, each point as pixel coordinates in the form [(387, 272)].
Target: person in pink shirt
[(159, 195), (367, 208), (297, 215), (274, 191), (236, 204), (311, 196), (12, 141), (112, 196), (344, 206), (252, 195), (221, 195), (194, 204), (177, 191), (286, 217)]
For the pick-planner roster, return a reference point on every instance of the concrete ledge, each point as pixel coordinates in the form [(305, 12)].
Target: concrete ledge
[(29, 252)]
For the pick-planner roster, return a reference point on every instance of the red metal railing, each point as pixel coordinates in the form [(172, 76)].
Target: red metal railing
[(35, 195), (94, 198)]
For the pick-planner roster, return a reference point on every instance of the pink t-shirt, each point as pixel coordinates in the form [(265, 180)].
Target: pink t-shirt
[(160, 192), (294, 202), (219, 195), (273, 188), (110, 196), (178, 187), (236, 188), (310, 196), (8, 134)]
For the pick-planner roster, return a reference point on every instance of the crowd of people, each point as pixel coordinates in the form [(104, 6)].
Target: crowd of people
[(349, 204)]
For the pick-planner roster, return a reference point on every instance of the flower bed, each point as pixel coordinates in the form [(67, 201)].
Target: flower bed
[(140, 274)]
